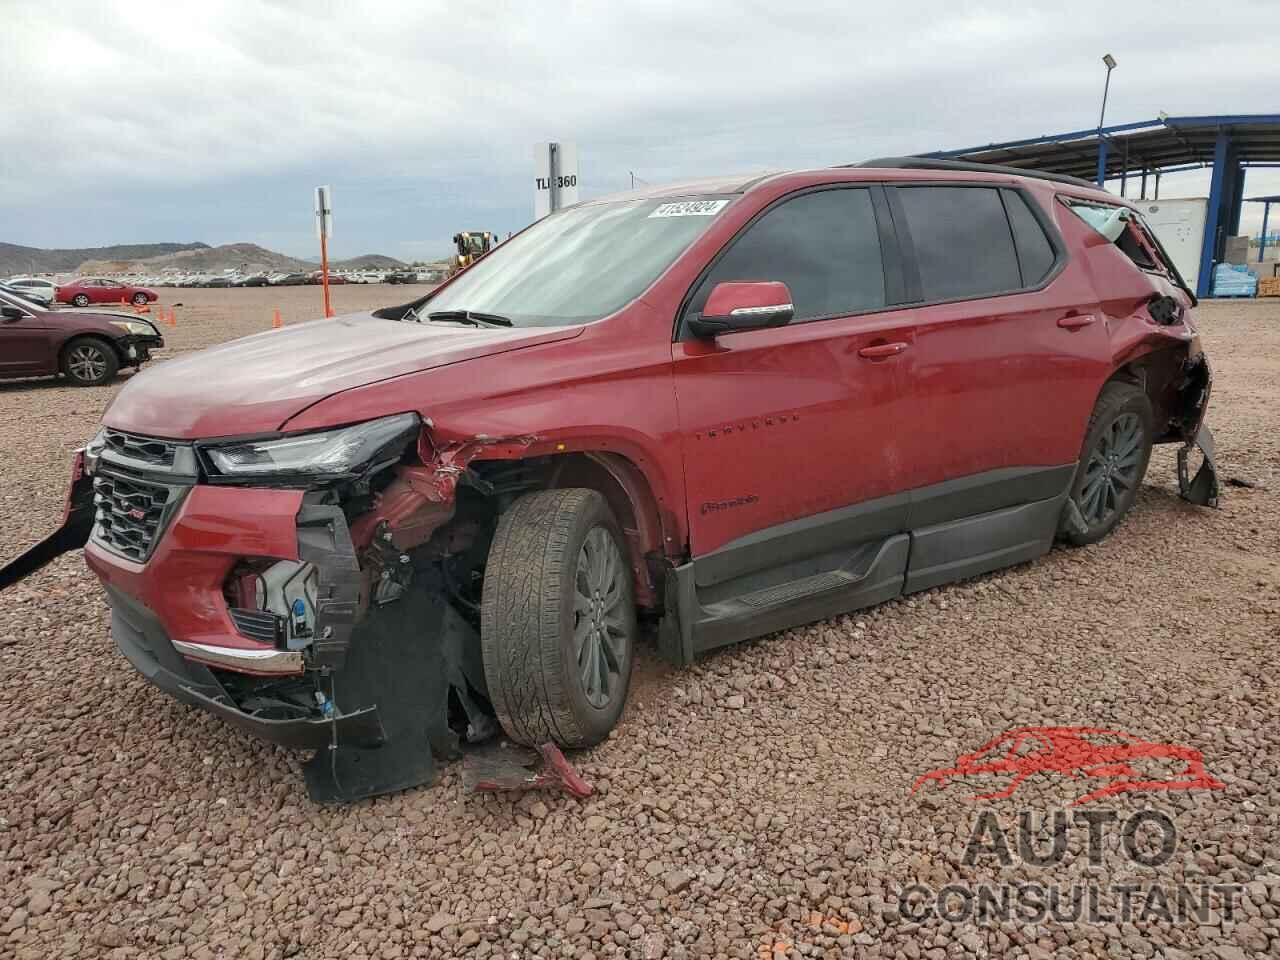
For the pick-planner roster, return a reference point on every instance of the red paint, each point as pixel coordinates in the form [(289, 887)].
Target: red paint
[(94, 290), (783, 422), (727, 297), (182, 581), (1075, 752)]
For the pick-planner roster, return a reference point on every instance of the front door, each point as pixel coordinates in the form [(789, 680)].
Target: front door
[(786, 423), (25, 348)]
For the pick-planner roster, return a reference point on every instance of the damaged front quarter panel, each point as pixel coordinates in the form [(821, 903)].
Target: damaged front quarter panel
[(408, 651)]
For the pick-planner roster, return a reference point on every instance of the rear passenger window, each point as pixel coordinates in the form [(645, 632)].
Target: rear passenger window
[(824, 246), (963, 244), (1035, 253)]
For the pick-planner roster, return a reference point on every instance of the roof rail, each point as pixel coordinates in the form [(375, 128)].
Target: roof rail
[(965, 166)]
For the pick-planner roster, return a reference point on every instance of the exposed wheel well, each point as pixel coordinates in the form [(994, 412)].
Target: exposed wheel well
[(617, 478), (1173, 386)]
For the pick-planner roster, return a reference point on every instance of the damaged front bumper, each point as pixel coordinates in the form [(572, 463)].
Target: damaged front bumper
[(141, 638), (1203, 488), (1196, 386)]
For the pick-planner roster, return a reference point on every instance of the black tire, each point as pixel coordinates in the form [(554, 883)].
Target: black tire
[(140, 299), (1113, 461), (532, 608), (89, 362), (80, 300)]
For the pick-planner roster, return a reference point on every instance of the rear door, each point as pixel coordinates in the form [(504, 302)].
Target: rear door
[(791, 422), (1008, 349)]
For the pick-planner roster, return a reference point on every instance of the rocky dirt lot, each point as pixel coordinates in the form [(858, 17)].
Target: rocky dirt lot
[(757, 805)]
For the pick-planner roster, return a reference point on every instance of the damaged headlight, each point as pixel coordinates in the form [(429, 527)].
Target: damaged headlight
[(139, 328), (324, 453)]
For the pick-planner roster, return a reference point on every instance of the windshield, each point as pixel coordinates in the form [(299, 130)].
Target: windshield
[(580, 264)]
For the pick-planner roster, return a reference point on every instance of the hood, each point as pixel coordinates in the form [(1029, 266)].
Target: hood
[(255, 384)]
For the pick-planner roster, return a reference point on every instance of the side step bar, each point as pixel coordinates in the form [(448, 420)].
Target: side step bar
[(873, 574)]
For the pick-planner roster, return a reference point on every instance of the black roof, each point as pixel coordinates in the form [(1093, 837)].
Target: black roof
[(927, 163)]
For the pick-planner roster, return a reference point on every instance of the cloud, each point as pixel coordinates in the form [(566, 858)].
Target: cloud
[(145, 120)]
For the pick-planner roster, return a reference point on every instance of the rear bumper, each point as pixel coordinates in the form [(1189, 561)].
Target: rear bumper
[(140, 636)]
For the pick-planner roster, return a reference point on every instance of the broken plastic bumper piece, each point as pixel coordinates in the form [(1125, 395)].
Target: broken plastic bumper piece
[(1203, 488)]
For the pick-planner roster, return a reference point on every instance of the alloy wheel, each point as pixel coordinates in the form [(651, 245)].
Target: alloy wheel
[(599, 616), (1113, 468), (87, 363)]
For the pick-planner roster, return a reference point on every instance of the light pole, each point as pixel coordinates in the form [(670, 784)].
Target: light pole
[(1110, 61)]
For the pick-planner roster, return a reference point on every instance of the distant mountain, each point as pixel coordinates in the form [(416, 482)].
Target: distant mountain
[(370, 261), (245, 257), (15, 259), (157, 257)]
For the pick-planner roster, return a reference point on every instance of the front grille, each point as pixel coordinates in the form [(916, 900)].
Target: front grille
[(157, 453), (131, 513), (261, 625)]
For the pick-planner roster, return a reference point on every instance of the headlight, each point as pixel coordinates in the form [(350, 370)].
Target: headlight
[(326, 453), (138, 328), (93, 450)]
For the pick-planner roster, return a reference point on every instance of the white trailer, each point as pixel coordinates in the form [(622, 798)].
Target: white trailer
[(1179, 225)]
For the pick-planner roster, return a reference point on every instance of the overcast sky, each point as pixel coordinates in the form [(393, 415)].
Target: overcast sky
[(140, 121)]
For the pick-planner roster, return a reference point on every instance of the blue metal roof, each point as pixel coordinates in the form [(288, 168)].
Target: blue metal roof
[(1165, 145)]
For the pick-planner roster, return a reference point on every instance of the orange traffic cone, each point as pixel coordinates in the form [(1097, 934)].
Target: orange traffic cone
[(276, 322), (123, 302), (171, 319)]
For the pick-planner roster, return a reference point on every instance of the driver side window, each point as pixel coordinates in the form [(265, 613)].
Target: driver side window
[(823, 245)]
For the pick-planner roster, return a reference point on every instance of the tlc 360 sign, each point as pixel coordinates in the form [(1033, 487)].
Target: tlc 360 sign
[(555, 177)]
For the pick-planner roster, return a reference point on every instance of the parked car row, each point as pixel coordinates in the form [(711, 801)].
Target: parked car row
[(140, 289)]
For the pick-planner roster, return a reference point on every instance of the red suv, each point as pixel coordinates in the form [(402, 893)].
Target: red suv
[(729, 406)]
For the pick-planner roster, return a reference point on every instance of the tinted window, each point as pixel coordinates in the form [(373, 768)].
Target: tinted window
[(962, 241), (823, 246), (1035, 253)]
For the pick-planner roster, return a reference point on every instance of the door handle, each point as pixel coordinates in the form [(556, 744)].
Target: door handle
[(882, 351), (1073, 323)]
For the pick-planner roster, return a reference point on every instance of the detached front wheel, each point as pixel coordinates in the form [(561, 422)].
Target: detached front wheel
[(558, 623)]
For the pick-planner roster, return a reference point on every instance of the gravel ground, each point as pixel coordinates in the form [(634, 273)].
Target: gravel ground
[(756, 805)]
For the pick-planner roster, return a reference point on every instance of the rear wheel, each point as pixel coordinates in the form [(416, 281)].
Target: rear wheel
[(1113, 462), (89, 362), (558, 624)]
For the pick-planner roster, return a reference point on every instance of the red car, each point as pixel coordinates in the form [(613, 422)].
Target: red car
[(86, 348), (730, 406), (89, 290), (334, 279)]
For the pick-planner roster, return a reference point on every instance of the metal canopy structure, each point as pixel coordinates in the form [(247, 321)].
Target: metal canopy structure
[(1266, 214), (1227, 144)]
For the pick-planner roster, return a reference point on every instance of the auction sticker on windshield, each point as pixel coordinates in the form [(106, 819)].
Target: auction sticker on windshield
[(690, 208)]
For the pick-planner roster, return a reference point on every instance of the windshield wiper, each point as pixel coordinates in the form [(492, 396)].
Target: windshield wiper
[(473, 317)]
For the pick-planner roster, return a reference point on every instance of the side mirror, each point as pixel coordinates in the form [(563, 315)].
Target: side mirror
[(9, 314), (744, 306)]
